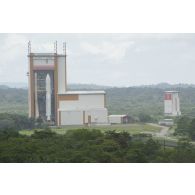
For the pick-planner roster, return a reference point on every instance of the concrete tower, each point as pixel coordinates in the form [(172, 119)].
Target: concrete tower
[(47, 78), (171, 103)]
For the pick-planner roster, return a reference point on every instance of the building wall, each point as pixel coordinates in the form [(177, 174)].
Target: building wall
[(71, 117), (98, 116), (172, 104), (42, 60), (115, 119), (84, 102), (81, 117), (32, 88), (166, 122), (78, 109), (61, 74), (168, 106), (176, 104), (29, 90)]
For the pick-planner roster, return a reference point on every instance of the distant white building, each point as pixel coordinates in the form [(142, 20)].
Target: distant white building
[(166, 122), (118, 119), (171, 103)]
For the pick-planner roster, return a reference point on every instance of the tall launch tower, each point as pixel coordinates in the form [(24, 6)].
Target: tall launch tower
[(47, 78)]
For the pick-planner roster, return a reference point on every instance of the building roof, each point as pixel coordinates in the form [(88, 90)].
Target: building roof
[(171, 91), (83, 92), (118, 115), (45, 54)]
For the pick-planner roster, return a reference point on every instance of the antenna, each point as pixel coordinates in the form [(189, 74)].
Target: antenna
[(29, 47), (64, 48), (64, 51), (55, 47)]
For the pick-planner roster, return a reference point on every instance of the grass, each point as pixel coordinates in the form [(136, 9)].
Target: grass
[(28, 132), (14, 109), (130, 128)]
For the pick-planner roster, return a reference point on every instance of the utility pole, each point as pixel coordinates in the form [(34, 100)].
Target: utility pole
[(55, 47), (29, 47)]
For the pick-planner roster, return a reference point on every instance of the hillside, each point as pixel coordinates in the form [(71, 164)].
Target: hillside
[(132, 100), (136, 100), (13, 100), (166, 86)]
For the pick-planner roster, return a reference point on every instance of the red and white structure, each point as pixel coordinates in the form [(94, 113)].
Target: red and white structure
[(171, 103)]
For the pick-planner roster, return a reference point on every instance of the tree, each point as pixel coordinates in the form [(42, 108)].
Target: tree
[(145, 118), (184, 152), (7, 124), (191, 129), (122, 138), (39, 122), (44, 134), (183, 125), (151, 148)]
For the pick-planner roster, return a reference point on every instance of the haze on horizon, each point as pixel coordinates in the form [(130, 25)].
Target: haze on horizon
[(106, 59)]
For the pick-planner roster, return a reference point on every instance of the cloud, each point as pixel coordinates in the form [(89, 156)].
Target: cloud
[(14, 62), (13, 46), (43, 47), (114, 59), (108, 50)]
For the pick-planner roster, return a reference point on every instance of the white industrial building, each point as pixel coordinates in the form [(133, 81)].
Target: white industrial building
[(82, 107), (50, 99), (118, 119), (166, 122), (171, 103)]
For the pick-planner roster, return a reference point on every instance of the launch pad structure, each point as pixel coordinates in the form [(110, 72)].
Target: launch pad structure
[(171, 103), (50, 99)]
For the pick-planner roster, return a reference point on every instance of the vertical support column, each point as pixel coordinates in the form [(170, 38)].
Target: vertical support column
[(56, 87), (83, 117), (104, 100), (32, 87), (65, 56), (59, 123), (89, 119)]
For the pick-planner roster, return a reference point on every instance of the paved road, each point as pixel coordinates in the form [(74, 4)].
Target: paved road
[(163, 132)]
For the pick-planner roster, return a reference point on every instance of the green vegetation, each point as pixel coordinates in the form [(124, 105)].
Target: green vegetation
[(186, 127), (120, 143), (86, 145), (13, 100), (18, 122), (15, 121), (130, 128)]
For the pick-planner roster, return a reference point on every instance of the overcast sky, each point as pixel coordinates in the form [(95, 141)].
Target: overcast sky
[(106, 59)]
